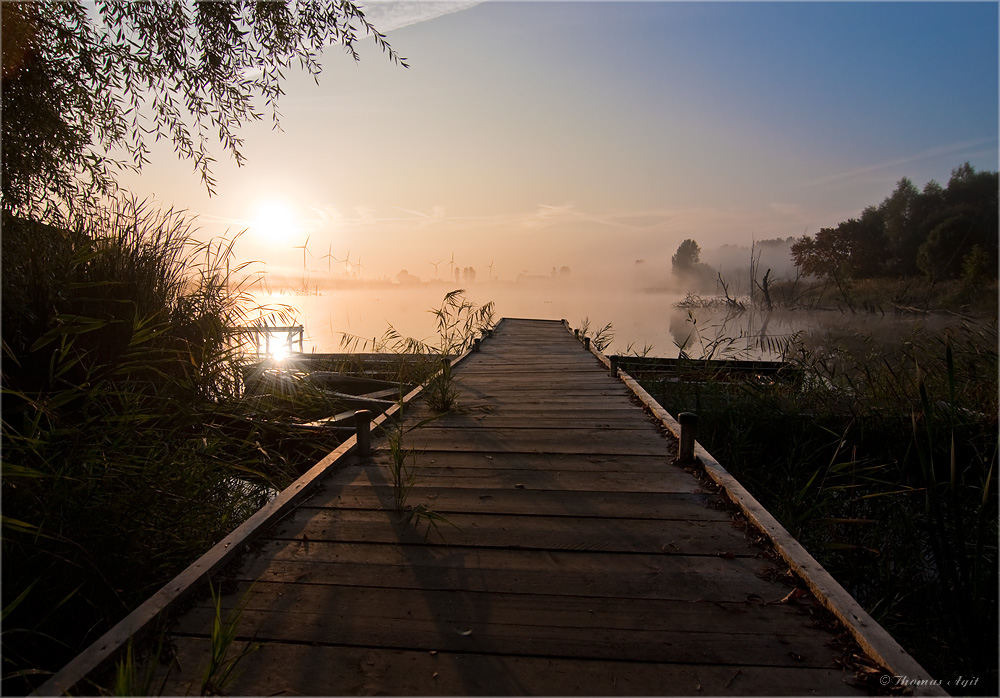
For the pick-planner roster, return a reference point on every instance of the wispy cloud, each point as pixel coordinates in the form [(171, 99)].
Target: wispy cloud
[(547, 215), (938, 151), (438, 214), (390, 15)]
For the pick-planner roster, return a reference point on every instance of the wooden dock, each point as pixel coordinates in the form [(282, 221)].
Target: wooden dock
[(574, 559)]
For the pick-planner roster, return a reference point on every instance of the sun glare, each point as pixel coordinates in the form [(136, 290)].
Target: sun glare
[(278, 346), (274, 220)]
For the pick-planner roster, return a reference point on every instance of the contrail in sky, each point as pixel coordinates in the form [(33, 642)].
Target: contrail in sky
[(933, 152), (389, 15)]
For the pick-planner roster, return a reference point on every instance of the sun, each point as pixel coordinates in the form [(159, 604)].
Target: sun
[(274, 221), (279, 348)]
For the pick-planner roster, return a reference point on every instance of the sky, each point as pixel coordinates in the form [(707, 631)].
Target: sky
[(532, 135)]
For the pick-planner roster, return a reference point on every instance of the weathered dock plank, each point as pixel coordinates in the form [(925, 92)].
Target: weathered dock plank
[(450, 500), (571, 557), (284, 669), (525, 624), (537, 532), (741, 580)]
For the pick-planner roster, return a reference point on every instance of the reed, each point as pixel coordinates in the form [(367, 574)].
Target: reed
[(601, 338), (881, 460), (128, 446), (137, 676), (459, 322), (402, 469), (220, 671)]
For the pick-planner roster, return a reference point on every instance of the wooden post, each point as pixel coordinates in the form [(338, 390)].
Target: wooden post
[(689, 423), (576, 333), (586, 343), (363, 422), (614, 365), (489, 332), (475, 344)]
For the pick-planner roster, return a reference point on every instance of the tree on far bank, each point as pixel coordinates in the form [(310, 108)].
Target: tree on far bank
[(86, 86), (855, 248), (901, 225), (912, 232), (687, 266), (688, 255)]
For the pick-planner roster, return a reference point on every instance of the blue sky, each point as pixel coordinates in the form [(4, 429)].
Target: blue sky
[(539, 134)]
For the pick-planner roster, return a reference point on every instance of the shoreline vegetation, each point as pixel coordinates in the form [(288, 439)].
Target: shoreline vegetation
[(131, 441), (880, 458), (127, 426), (134, 435), (130, 444)]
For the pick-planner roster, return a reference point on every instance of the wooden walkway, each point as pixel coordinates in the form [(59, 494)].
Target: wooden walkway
[(576, 559)]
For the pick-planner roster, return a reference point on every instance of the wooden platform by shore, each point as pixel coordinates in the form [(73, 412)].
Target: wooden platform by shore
[(560, 551)]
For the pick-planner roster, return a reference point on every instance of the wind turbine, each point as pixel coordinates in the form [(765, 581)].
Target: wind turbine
[(358, 267), (451, 264), (305, 248), (346, 260), (435, 265), (490, 267), (329, 259)]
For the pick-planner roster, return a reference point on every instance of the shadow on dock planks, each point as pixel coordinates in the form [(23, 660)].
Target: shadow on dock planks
[(575, 559)]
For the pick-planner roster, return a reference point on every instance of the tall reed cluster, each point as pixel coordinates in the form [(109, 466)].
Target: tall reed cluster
[(127, 450), (459, 322), (881, 459)]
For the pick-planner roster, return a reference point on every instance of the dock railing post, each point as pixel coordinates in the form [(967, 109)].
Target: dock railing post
[(363, 423), (576, 333), (614, 365), (586, 343), (689, 424)]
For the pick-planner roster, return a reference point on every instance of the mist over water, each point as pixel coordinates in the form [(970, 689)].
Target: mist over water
[(637, 297), (367, 311), (640, 319)]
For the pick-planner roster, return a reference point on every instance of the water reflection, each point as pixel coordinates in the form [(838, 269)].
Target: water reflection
[(642, 321)]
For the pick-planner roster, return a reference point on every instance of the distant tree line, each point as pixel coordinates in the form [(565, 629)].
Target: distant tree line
[(941, 232)]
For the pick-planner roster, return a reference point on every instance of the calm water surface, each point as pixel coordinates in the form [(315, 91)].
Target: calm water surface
[(639, 319)]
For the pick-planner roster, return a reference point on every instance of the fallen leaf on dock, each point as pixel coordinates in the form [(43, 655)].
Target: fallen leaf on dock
[(793, 595)]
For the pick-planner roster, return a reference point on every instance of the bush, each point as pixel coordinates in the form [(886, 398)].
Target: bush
[(881, 460), (127, 448)]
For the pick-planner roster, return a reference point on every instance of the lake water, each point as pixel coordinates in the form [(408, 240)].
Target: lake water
[(639, 319)]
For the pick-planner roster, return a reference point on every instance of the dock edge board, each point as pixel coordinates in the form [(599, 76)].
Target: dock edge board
[(870, 636), (140, 621)]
